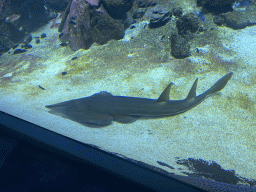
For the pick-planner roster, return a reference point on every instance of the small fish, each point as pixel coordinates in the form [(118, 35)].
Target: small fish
[(132, 27), (21, 28), (200, 16), (63, 44), (240, 5), (74, 58), (162, 37), (26, 46), (12, 18), (29, 15), (72, 22), (133, 21), (18, 51), (41, 87)]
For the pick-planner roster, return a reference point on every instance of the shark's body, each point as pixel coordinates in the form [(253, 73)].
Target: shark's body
[(102, 108)]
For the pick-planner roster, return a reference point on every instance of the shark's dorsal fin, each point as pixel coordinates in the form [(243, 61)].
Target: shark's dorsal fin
[(164, 97), (102, 94), (192, 92)]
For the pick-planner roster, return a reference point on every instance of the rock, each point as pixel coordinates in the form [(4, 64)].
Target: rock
[(82, 25), (187, 24), (18, 51), (139, 13), (134, 30), (37, 40), (43, 35), (218, 20), (180, 48), (240, 19), (105, 28), (117, 9), (9, 36), (19, 18), (216, 6), (76, 25), (158, 16)]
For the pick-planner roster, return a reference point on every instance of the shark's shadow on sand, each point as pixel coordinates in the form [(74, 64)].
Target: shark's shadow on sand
[(102, 108)]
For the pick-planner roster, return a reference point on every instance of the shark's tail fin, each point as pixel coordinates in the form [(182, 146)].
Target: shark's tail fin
[(220, 84)]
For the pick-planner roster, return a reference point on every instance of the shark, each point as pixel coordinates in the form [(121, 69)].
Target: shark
[(102, 108)]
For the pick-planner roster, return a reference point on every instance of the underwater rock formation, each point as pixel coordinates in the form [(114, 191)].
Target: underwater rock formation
[(117, 9), (218, 20), (9, 37), (105, 28), (75, 25), (216, 6), (18, 18), (158, 16), (57, 5), (139, 13), (140, 8), (187, 24), (84, 22), (180, 47), (30, 14), (240, 19)]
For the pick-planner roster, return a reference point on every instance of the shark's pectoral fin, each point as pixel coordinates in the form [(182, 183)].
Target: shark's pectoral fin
[(124, 118), (90, 117)]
